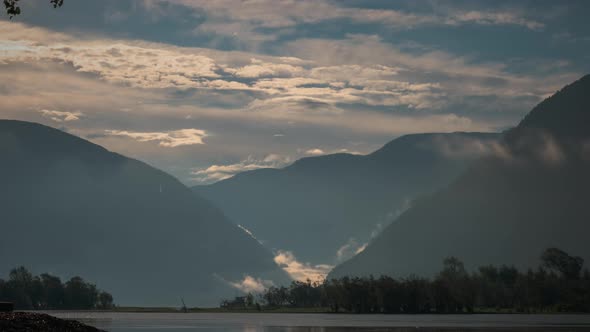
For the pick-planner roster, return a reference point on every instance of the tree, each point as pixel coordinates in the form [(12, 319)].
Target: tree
[(13, 9), (453, 290), (559, 261), (27, 292), (19, 285), (79, 294), (454, 283), (53, 291), (105, 300)]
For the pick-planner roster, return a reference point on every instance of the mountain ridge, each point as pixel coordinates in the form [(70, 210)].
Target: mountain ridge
[(322, 193), (505, 208), (73, 207)]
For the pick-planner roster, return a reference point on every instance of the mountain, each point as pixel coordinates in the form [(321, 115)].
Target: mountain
[(507, 207), (326, 208), (72, 207)]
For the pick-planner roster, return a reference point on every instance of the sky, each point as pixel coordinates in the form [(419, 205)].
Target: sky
[(206, 89)]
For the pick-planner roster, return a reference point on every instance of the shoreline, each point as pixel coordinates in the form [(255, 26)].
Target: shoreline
[(286, 310), (303, 322), (38, 321)]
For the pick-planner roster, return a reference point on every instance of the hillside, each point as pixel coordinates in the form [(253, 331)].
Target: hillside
[(72, 207), (531, 194), (325, 208)]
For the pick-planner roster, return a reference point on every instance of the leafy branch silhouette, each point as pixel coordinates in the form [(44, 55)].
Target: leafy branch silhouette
[(13, 8)]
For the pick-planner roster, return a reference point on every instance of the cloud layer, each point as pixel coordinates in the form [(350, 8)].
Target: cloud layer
[(169, 139), (207, 89), (215, 173), (60, 116)]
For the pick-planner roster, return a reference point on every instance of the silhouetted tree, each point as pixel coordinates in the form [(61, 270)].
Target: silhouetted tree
[(79, 294), (105, 300), (557, 285), (53, 292), (559, 261), (27, 291), (19, 286)]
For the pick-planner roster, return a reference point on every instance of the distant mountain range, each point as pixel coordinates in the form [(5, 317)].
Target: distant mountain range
[(532, 193), (324, 209), (72, 207)]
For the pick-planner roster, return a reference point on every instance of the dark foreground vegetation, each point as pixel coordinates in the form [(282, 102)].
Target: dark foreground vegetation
[(558, 285), (26, 321), (48, 292)]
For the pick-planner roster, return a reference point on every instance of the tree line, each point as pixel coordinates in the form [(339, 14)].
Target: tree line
[(557, 285), (29, 292)]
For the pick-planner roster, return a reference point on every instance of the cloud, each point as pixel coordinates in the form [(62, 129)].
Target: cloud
[(215, 173), (316, 90), (351, 248), (251, 285), (249, 233), (59, 116), (145, 67), (259, 68), (273, 80), (310, 76), (465, 147), (314, 152), (169, 139), (550, 151), (280, 14), (301, 271), (493, 18)]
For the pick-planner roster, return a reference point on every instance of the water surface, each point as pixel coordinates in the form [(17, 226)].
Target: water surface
[(250, 322)]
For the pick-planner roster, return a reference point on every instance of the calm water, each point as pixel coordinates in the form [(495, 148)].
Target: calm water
[(203, 322)]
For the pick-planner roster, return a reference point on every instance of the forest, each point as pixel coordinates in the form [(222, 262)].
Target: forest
[(558, 285), (47, 292)]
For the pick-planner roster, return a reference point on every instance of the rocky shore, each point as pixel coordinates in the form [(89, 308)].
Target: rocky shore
[(33, 322)]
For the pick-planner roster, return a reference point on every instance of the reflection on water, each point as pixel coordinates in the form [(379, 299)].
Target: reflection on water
[(204, 322)]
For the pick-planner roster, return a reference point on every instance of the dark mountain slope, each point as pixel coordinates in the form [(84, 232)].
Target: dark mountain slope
[(318, 205), (531, 194), (72, 207)]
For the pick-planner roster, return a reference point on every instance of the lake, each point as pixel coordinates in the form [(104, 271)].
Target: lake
[(203, 322)]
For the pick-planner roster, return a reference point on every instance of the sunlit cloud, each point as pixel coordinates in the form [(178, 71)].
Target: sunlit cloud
[(251, 285), (61, 116), (169, 139), (314, 152), (259, 68), (215, 173), (301, 271), (157, 66), (281, 83)]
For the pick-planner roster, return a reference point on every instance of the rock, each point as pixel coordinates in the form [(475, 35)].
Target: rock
[(32, 322)]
